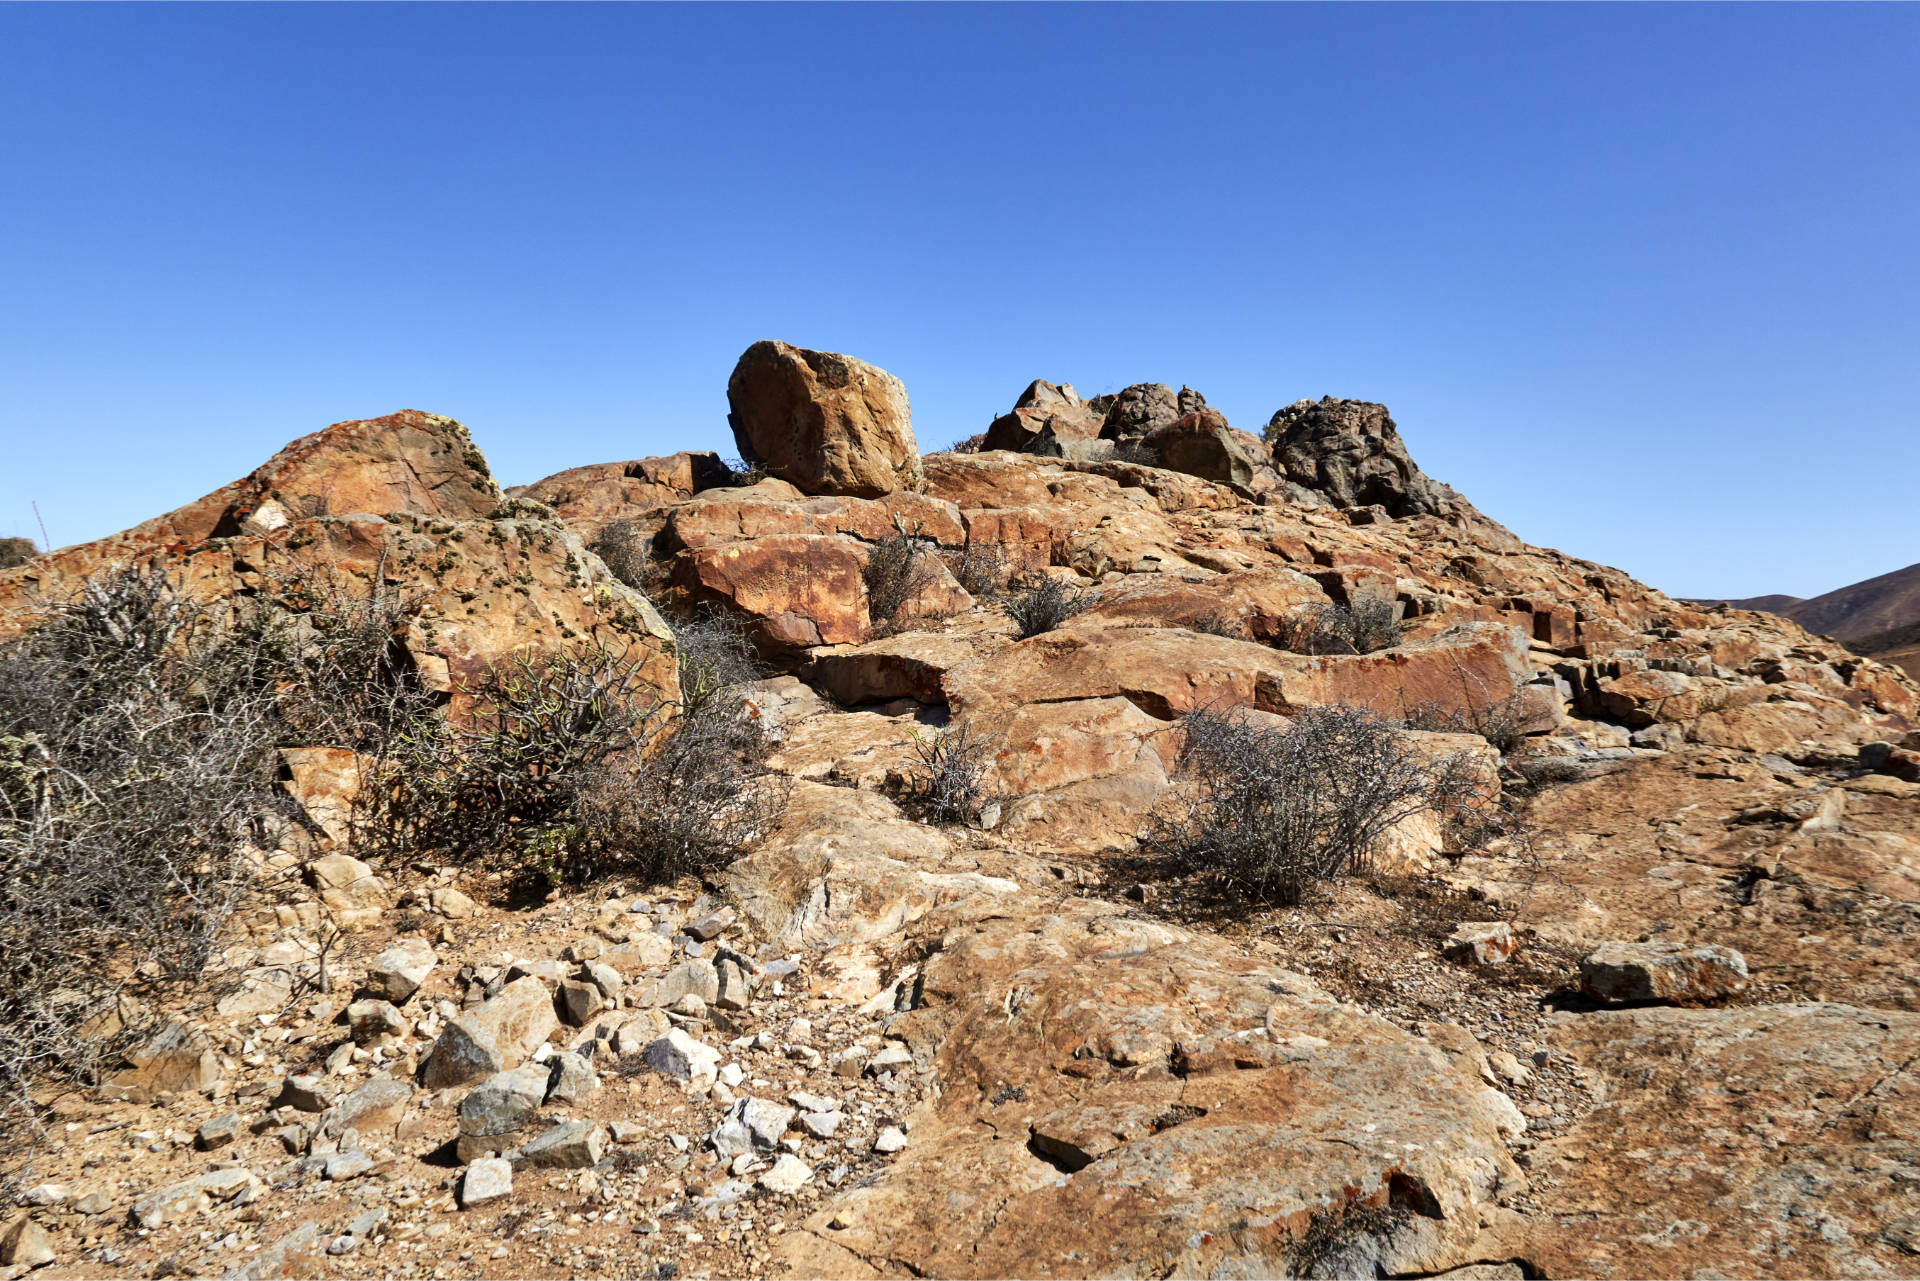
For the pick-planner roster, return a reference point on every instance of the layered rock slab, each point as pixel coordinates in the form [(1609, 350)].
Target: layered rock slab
[(409, 461), (1118, 1097), (1773, 1141), (846, 867)]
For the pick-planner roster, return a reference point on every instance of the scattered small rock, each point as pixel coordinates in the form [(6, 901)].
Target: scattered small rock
[(488, 1179)]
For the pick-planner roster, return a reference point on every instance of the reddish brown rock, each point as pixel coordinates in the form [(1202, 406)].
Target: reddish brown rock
[(829, 424), (1250, 604), (975, 481), (904, 666), (1115, 1090), (846, 867), (1621, 973), (409, 461), (1163, 671), (1467, 669), (800, 590), (1769, 1141), (591, 497)]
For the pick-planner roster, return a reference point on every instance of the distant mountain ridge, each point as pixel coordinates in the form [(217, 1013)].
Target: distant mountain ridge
[(1879, 616), (1864, 608), (1777, 604)]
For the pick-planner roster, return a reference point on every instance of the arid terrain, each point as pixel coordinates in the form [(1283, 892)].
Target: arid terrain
[(1643, 1001), (1878, 617)]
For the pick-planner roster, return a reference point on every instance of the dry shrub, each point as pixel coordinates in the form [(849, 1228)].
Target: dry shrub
[(137, 769), (571, 766), (1371, 625), (1272, 811), (138, 779), (742, 472), (978, 567), (715, 655), (969, 445), (1499, 721), (1044, 606), (947, 782), (1221, 622), (624, 549), (899, 567)]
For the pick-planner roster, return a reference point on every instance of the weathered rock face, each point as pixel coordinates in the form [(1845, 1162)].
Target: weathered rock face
[(589, 498), (1036, 1070), (1623, 973), (827, 423), (404, 462), (846, 867), (1201, 444), (1143, 409), (1044, 419), (1351, 451), (493, 1037), (1140, 1096), (1774, 1141), (451, 555)]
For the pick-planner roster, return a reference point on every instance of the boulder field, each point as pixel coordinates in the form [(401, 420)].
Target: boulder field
[(1671, 1030)]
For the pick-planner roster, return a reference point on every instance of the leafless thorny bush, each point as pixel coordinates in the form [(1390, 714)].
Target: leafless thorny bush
[(1272, 811), (138, 778), (948, 781), (1371, 624), (1044, 606), (623, 547), (978, 567), (899, 567), (572, 765), (715, 654), (1500, 721), (137, 772), (744, 471), (969, 444)]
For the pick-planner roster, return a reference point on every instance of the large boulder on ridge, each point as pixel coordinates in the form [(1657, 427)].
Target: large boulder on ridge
[(1201, 444), (1044, 419), (1351, 451), (823, 422), (1144, 408)]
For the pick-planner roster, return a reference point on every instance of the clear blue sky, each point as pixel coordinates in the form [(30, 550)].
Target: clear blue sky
[(1641, 281)]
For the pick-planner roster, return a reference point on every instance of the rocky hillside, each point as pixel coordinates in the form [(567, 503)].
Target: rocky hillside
[(1647, 1004)]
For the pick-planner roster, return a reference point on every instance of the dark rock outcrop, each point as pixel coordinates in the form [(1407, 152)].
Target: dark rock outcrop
[(1351, 451), (1043, 418), (1143, 408)]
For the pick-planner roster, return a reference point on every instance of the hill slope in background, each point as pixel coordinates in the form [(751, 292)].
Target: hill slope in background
[(1865, 608), (1874, 617), (1900, 647), (1775, 604)]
